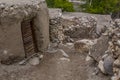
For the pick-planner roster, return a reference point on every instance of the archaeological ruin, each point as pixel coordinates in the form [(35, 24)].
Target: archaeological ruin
[(24, 28), (40, 43)]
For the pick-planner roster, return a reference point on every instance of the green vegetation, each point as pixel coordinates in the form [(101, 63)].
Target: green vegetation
[(63, 4), (101, 6)]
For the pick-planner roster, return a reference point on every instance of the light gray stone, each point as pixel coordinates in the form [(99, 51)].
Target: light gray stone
[(115, 77), (101, 67), (64, 47), (88, 58), (65, 59), (63, 53), (34, 61), (70, 45)]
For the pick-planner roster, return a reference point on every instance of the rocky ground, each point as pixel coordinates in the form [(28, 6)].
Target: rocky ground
[(92, 57), (53, 67)]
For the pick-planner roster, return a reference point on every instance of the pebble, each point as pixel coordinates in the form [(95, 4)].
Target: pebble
[(118, 42), (70, 45), (34, 61), (114, 77), (41, 56), (64, 47), (116, 62), (65, 59), (104, 56), (63, 53), (101, 67), (88, 58)]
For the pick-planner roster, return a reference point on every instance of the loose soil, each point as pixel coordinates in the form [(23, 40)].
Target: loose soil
[(53, 68)]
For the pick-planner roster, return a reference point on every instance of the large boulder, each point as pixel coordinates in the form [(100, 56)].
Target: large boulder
[(98, 50)]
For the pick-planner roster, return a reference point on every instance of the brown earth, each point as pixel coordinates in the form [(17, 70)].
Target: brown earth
[(53, 68)]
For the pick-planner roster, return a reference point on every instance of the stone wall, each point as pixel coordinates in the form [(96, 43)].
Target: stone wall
[(80, 27), (63, 29)]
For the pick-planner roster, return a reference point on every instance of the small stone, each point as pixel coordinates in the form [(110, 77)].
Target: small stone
[(65, 59), (34, 61), (53, 45), (108, 65), (51, 51), (117, 63), (2, 5), (119, 74), (51, 48), (110, 43), (118, 42), (96, 71), (116, 70), (26, 13), (101, 67), (11, 8), (115, 77), (104, 56), (38, 6), (5, 52), (64, 47), (105, 34), (68, 39), (41, 56), (70, 45), (88, 58), (63, 53)]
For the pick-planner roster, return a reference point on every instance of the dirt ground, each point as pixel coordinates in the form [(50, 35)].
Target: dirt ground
[(53, 68)]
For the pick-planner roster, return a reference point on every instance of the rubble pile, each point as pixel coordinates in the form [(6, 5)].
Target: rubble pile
[(114, 47), (81, 27), (63, 29), (107, 51), (80, 33)]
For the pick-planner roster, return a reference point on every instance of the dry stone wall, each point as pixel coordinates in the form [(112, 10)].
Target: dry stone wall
[(64, 29), (56, 30), (81, 27)]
